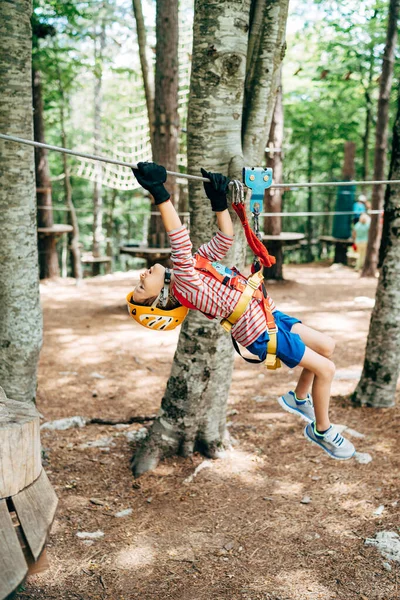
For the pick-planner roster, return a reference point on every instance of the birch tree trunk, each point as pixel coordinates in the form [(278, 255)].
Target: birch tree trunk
[(97, 189), (48, 258), (166, 117), (21, 319), (385, 86), (193, 410), (267, 48), (148, 79), (273, 196), (377, 386)]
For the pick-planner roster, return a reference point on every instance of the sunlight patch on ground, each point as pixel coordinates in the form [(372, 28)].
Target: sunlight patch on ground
[(304, 585), (287, 488), (269, 416), (239, 464), (135, 556)]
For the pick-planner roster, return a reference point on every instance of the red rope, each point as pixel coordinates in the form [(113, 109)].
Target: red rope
[(255, 244)]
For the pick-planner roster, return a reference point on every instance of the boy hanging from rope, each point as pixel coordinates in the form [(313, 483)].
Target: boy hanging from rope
[(200, 282)]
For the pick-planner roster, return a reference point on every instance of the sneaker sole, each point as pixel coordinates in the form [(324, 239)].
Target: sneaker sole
[(324, 449), (293, 411)]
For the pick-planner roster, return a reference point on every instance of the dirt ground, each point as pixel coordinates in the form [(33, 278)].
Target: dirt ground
[(243, 527)]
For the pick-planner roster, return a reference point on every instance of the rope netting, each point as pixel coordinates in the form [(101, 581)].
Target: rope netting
[(135, 145)]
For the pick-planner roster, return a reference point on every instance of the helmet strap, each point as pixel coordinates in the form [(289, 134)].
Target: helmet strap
[(164, 294)]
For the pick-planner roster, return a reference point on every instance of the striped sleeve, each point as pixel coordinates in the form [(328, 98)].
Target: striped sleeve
[(217, 247), (182, 259)]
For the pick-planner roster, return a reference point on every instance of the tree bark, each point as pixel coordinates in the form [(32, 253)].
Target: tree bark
[(73, 238), (273, 197), (368, 115), (166, 117), (21, 319), (48, 258), (193, 410), (262, 77), (148, 79), (381, 136), (310, 165), (377, 386), (97, 188)]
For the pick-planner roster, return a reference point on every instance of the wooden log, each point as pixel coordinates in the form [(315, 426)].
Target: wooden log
[(20, 458), (13, 567), (35, 507)]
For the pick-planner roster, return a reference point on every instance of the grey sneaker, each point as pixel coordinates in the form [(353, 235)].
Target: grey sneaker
[(332, 442), (301, 408)]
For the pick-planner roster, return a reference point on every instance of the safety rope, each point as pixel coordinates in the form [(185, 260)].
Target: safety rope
[(105, 159)]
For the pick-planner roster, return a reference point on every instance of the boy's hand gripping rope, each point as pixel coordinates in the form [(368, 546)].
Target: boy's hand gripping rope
[(253, 237)]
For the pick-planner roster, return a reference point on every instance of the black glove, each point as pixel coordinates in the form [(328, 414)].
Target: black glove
[(152, 177), (216, 190)]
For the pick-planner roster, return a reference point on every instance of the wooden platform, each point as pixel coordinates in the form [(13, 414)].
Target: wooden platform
[(57, 229), (285, 237), (150, 255), (27, 500), (328, 239), (145, 251), (90, 259)]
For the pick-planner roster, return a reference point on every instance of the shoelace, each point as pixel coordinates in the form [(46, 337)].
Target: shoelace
[(335, 438)]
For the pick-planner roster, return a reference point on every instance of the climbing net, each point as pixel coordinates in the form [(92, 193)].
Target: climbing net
[(135, 145)]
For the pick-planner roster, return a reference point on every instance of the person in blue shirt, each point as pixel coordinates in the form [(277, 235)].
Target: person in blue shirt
[(359, 207)]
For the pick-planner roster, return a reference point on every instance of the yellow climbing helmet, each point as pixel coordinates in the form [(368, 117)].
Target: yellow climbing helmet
[(154, 316)]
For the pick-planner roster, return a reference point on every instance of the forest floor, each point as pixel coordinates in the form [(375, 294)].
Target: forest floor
[(274, 519)]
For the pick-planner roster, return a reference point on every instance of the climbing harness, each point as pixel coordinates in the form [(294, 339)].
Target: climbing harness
[(257, 180), (156, 316)]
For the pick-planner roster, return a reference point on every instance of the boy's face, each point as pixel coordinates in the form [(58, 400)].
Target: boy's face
[(151, 283)]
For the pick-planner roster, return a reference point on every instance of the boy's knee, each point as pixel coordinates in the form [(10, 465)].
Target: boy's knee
[(326, 369), (330, 369), (328, 346)]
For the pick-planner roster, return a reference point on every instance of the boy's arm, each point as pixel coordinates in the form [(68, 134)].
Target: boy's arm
[(225, 222), (170, 217)]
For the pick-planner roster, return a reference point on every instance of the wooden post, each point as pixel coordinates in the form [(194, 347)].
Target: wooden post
[(27, 499)]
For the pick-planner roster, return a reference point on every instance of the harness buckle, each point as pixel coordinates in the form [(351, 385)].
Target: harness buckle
[(227, 325)]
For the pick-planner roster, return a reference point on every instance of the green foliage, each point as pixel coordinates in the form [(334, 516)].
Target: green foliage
[(331, 74)]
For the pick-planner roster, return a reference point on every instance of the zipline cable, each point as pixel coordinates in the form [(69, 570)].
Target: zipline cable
[(112, 161), (105, 159)]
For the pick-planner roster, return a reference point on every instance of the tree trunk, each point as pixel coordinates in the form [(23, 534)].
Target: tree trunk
[(110, 227), (273, 197), (166, 117), (97, 188), (310, 257), (385, 86), (193, 410), (368, 115), (48, 258), (21, 319), (266, 51), (73, 238), (377, 386), (148, 79)]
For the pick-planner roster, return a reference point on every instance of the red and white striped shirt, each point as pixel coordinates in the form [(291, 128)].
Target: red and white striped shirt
[(209, 295)]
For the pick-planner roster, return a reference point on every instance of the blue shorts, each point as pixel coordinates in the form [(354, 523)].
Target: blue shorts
[(290, 346)]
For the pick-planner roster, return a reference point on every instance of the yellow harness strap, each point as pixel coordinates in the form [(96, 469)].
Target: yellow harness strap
[(253, 283)]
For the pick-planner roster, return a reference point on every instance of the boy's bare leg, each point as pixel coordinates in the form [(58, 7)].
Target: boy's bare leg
[(320, 343), (323, 370)]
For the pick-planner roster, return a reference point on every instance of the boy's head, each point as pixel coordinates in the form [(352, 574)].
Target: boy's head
[(151, 303), (150, 285)]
